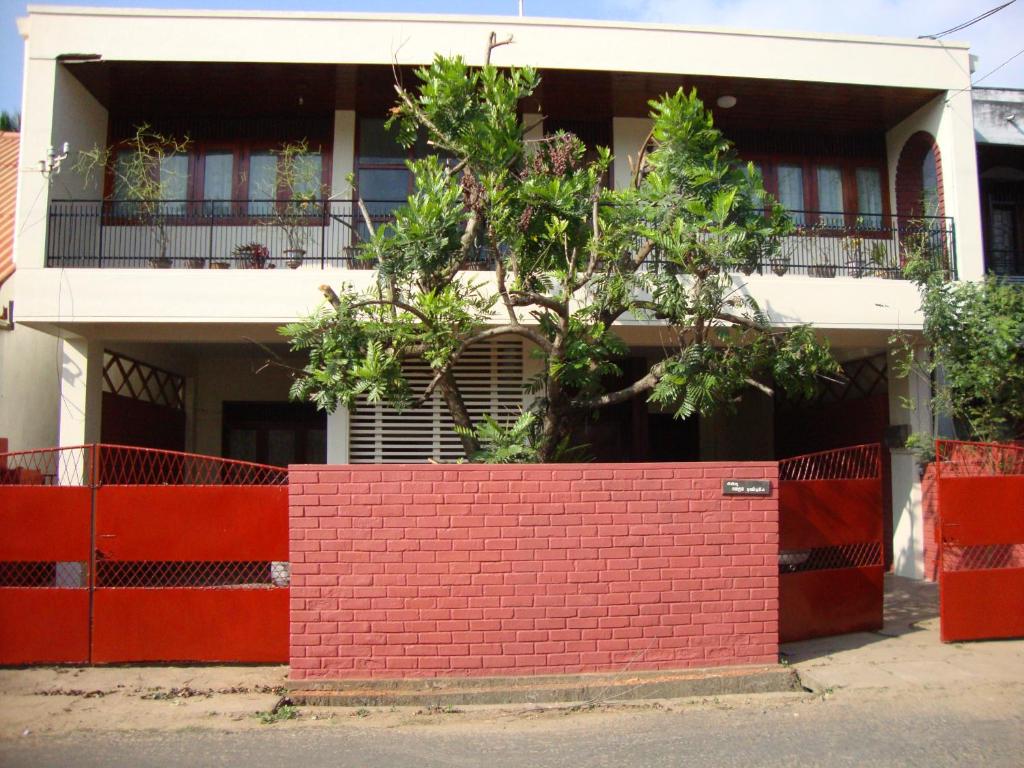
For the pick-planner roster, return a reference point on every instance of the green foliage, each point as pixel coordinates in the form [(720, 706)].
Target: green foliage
[(922, 446), (570, 259), (10, 121), (298, 181), (276, 715), (975, 332), (136, 165), (504, 443), (141, 176)]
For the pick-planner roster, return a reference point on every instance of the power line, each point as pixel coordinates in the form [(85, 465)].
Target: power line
[(992, 72), (969, 22)]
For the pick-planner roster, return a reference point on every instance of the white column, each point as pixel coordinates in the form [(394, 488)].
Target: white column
[(628, 134), (343, 152), (907, 510), (81, 391), (81, 401), (337, 436)]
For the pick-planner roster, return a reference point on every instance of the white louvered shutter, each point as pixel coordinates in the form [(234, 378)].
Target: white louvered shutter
[(491, 379)]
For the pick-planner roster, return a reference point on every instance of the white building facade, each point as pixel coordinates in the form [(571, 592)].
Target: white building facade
[(862, 138)]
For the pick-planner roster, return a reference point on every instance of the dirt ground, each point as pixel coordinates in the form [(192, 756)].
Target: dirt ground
[(57, 701)]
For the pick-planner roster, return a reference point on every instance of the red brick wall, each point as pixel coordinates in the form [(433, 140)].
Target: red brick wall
[(930, 519), (407, 571)]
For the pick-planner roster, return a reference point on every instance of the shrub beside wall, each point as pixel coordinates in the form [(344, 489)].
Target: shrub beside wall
[(454, 570)]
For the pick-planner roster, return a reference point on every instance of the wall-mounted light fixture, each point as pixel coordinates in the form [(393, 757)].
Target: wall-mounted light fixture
[(51, 165), (726, 102)]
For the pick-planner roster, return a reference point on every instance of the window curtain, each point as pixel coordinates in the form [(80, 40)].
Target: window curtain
[(830, 196), (869, 197), (791, 191)]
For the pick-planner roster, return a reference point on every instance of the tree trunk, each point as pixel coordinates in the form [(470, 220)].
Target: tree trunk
[(452, 396), (555, 422)]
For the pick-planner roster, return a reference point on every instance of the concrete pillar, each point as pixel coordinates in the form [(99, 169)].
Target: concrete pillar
[(81, 391), (343, 153), (337, 436), (81, 402), (907, 510), (628, 134)]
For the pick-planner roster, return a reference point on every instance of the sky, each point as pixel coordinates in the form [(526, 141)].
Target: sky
[(994, 40)]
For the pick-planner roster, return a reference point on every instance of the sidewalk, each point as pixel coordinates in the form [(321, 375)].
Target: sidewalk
[(906, 653)]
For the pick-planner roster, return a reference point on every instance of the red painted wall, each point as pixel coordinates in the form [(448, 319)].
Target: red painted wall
[(421, 571), (930, 519)]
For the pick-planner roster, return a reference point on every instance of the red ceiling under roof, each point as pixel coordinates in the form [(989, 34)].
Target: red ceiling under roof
[(8, 193)]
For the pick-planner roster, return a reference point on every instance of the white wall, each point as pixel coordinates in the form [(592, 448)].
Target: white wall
[(949, 119), (29, 385), (150, 35), (56, 108)]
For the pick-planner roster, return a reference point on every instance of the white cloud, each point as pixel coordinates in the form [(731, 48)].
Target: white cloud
[(993, 40)]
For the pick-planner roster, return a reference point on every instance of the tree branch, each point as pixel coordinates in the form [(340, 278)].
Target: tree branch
[(394, 303), (493, 43), (638, 387), (528, 298), (331, 296)]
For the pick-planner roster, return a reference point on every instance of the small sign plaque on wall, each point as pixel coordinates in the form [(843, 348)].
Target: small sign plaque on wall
[(746, 487)]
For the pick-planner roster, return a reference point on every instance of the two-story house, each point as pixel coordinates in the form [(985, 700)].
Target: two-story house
[(865, 140)]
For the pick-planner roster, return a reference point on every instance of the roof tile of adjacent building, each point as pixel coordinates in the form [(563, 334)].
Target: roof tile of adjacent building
[(8, 193)]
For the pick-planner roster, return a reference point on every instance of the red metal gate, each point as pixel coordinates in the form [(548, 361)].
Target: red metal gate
[(119, 554), (830, 543), (981, 540)]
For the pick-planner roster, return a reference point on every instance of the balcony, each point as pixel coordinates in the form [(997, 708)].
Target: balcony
[(210, 234)]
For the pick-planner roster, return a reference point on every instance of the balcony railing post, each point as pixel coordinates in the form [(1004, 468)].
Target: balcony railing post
[(99, 255), (324, 218)]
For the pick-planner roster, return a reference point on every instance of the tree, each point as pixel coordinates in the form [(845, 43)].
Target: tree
[(143, 176), (975, 335), (570, 260), (298, 180), (10, 121)]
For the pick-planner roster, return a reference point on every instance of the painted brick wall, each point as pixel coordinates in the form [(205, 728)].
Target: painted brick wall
[(930, 520), (416, 571)]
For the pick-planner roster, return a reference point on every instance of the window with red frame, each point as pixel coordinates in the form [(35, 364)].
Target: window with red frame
[(827, 192), (227, 180)]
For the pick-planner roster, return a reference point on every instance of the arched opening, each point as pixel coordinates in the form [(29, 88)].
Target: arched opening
[(919, 177)]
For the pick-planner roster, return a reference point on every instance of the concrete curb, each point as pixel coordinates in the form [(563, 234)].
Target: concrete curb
[(546, 689)]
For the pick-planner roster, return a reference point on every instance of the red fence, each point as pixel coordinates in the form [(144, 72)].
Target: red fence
[(981, 540), (117, 554), (831, 543)]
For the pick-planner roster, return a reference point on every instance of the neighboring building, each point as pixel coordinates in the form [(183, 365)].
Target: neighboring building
[(864, 139), (999, 131), (28, 398), (8, 195)]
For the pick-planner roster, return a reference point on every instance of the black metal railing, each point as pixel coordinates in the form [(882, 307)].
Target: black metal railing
[(264, 234), (213, 234)]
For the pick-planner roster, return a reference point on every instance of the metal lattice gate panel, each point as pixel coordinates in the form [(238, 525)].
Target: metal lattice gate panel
[(981, 540), (118, 554), (830, 543)]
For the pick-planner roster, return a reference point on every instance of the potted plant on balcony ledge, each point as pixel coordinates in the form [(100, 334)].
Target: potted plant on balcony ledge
[(253, 256), (144, 178), (299, 181)]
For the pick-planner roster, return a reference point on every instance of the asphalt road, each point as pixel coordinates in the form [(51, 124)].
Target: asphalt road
[(924, 729)]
